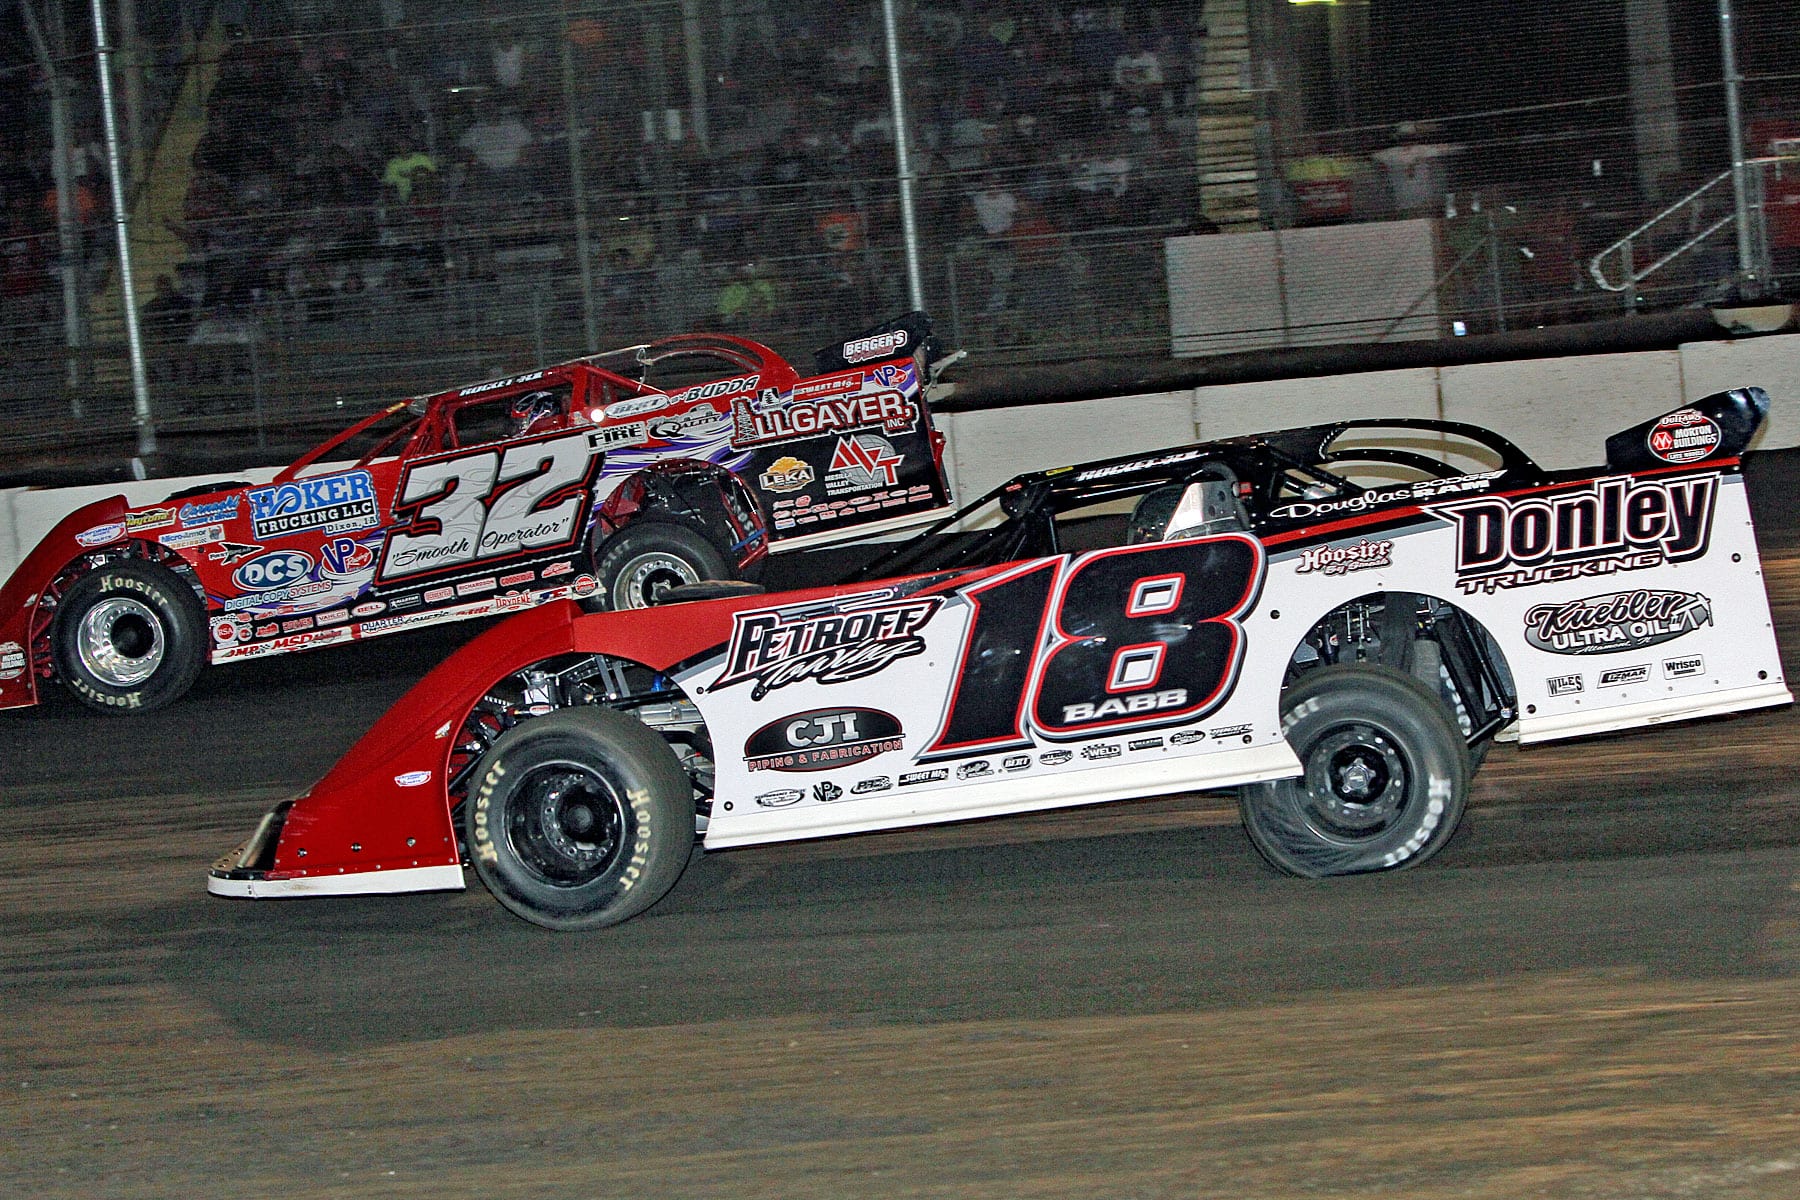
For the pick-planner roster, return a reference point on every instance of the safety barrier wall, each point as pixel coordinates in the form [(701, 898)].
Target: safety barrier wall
[(1559, 410)]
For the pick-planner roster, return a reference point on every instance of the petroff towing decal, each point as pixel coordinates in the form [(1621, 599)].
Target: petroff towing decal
[(1616, 622), (1596, 529), (833, 642)]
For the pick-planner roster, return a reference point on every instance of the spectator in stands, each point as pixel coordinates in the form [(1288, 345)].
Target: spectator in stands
[(498, 144), (404, 170), (747, 298), (168, 315), (1101, 180)]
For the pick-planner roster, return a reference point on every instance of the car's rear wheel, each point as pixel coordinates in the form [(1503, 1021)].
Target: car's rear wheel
[(647, 558), (129, 637), (580, 819), (1386, 776)]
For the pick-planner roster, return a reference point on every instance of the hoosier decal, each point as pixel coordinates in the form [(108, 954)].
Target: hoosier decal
[(1616, 622), (1597, 529), (833, 642), (1338, 560)]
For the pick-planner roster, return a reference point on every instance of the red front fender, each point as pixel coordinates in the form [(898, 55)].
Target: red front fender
[(22, 594)]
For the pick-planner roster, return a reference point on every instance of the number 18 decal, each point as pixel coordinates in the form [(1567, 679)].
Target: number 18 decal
[(489, 506), (1136, 637)]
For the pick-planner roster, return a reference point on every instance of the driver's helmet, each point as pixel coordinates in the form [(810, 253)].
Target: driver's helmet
[(531, 412)]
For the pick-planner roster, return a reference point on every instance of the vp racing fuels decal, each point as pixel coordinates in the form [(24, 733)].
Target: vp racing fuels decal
[(1593, 529), (1136, 637)]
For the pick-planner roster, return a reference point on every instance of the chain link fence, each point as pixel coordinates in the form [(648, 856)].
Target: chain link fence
[(333, 204)]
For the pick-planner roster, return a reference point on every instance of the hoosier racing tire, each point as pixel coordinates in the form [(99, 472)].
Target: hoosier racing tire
[(579, 819), (1386, 776), (129, 637)]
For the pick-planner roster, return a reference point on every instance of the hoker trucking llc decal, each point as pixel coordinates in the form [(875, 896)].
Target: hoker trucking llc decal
[(1616, 622), (1598, 528)]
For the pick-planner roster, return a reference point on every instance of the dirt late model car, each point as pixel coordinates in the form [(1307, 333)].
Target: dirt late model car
[(609, 478), (1334, 620)]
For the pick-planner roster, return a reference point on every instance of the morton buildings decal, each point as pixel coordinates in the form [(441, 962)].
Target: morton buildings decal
[(1597, 529), (1615, 622)]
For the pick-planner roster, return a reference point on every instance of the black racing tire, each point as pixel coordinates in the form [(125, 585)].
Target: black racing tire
[(129, 637), (580, 819), (1386, 776), (647, 558)]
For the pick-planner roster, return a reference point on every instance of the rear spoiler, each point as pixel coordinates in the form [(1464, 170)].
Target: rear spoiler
[(1717, 427)]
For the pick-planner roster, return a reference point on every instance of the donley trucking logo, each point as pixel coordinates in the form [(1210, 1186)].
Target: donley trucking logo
[(833, 642), (1597, 529)]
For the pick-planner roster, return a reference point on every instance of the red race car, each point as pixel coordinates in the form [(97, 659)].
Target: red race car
[(608, 479)]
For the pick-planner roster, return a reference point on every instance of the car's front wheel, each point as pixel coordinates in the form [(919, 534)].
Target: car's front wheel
[(129, 637), (1386, 776), (580, 819)]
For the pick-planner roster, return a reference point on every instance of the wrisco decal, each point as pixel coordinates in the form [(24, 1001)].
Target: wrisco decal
[(1594, 530), (833, 642), (1681, 668), (821, 739), (1615, 622)]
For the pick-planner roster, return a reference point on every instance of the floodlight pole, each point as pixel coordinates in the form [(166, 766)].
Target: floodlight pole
[(140, 378), (909, 222), (1734, 118)]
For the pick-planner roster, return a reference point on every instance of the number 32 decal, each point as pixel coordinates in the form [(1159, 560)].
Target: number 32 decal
[(1137, 637), (489, 505)]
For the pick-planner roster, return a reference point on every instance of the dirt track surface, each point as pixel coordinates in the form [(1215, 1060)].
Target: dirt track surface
[(1592, 993)]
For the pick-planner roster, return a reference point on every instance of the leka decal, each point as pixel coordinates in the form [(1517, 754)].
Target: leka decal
[(821, 739), (1594, 530), (1616, 622), (833, 642)]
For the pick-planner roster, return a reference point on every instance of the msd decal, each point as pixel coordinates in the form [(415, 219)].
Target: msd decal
[(1616, 622), (1597, 529), (833, 642), (334, 503)]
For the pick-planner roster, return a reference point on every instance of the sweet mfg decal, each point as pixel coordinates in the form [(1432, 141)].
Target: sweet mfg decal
[(1616, 622), (831, 642), (1593, 530)]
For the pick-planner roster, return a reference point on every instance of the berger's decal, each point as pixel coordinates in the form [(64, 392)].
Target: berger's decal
[(1597, 529)]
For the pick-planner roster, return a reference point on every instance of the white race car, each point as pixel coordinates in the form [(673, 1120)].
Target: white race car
[(1333, 620)]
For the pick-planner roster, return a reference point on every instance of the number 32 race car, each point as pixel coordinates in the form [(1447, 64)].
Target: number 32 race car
[(609, 478), (1333, 620)]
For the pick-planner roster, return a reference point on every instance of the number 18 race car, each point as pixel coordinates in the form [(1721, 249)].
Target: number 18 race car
[(1333, 620), (608, 479)]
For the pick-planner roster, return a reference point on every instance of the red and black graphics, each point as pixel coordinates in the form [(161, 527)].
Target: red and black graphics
[(1588, 530), (841, 451), (1137, 637), (467, 510), (831, 641), (823, 739)]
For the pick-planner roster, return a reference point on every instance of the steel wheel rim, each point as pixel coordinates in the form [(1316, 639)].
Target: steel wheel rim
[(1357, 783), (647, 576), (120, 641), (566, 823)]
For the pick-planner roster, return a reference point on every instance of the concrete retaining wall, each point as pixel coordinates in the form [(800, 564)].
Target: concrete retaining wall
[(1559, 410)]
